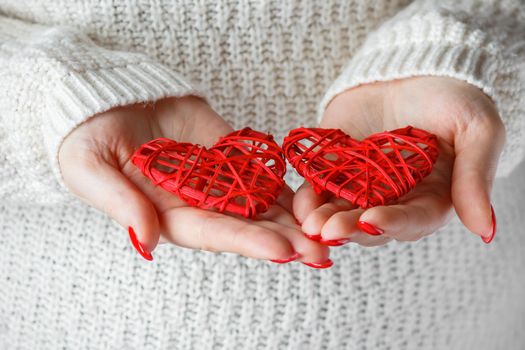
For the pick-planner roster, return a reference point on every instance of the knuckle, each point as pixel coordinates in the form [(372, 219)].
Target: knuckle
[(203, 235), (236, 236), (404, 217), (327, 209)]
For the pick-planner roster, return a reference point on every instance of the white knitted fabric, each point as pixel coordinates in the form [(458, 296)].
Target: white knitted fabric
[(69, 278)]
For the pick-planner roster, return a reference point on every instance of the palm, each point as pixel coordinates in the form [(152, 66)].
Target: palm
[(443, 106), (420, 108), (273, 235)]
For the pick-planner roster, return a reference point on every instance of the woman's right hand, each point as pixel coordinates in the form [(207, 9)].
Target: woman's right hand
[(95, 164)]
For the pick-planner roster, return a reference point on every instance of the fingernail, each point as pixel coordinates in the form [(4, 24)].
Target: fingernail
[(369, 228), (313, 237), (334, 242), (324, 265), (490, 237), (295, 256), (136, 244)]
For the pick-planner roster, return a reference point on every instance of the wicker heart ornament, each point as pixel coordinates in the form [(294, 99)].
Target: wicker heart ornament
[(242, 173), (375, 171)]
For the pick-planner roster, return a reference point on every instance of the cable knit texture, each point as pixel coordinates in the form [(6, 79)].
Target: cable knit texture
[(68, 276)]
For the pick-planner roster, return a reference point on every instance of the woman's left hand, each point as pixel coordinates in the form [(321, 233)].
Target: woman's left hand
[(471, 137)]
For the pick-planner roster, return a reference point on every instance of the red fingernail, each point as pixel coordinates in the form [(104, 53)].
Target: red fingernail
[(369, 228), (489, 238), (334, 242), (135, 242), (313, 237), (324, 265), (295, 256)]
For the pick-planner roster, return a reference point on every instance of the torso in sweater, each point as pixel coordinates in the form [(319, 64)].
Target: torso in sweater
[(261, 63)]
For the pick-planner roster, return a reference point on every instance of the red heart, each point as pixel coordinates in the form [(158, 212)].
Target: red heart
[(375, 171), (242, 173)]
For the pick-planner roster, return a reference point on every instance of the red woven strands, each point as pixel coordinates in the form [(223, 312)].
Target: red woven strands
[(242, 173), (375, 171)]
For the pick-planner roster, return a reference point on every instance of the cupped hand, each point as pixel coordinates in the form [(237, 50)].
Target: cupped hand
[(95, 164), (471, 137)]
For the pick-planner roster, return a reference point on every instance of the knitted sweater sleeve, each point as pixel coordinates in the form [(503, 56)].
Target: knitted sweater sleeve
[(51, 80), (478, 41)]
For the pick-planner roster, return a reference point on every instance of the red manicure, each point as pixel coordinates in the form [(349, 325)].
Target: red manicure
[(295, 256), (324, 265), (313, 237), (334, 242), (369, 228), (493, 233), (135, 242)]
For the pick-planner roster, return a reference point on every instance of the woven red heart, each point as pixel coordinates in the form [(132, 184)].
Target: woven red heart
[(375, 171), (242, 173)]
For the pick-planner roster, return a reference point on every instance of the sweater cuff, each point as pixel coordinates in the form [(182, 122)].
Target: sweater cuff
[(79, 95), (435, 46)]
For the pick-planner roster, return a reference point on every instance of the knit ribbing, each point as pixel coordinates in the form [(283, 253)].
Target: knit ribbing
[(80, 95), (71, 80)]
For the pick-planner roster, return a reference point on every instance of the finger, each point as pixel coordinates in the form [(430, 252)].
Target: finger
[(477, 153), (206, 230), (285, 199), (314, 222), (107, 189), (306, 200), (279, 215), (422, 214), (310, 251), (366, 240), (341, 228), (341, 225)]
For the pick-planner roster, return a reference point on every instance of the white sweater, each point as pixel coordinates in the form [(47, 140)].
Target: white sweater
[(68, 276)]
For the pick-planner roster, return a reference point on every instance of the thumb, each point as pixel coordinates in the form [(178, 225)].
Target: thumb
[(477, 152), (104, 187)]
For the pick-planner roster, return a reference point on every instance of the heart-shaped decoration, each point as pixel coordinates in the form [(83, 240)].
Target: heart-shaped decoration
[(375, 171), (242, 173)]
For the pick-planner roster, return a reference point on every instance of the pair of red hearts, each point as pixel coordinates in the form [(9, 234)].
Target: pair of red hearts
[(243, 172)]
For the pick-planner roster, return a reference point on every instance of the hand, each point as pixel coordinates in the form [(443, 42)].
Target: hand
[(95, 164), (471, 136)]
